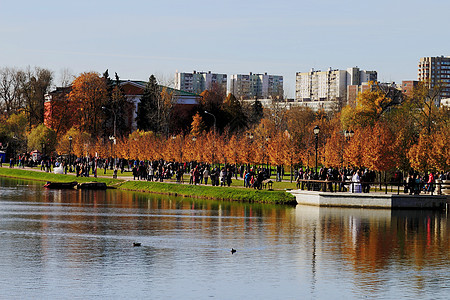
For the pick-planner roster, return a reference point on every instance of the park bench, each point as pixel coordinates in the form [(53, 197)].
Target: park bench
[(267, 184)]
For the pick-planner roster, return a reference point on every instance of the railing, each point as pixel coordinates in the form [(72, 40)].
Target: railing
[(335, 186)]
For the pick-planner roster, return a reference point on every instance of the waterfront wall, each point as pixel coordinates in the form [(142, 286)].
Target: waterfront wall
[(371, 200)]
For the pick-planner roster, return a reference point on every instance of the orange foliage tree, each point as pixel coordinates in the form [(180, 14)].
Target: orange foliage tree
[(89, 94), (354, 148), (333, 149), (380, 152)]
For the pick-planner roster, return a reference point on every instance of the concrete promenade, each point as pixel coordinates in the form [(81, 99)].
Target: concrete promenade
[(371, 200)]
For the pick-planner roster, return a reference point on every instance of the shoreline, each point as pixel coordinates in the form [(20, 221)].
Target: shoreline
[(165, 188)]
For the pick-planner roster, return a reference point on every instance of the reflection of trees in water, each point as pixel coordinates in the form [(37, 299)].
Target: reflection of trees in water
[(378, 246), (373, 241)]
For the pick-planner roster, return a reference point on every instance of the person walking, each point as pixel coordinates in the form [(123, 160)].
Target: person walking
[(205, 175)]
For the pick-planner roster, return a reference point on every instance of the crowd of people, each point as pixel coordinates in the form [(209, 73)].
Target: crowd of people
[(326, 179)]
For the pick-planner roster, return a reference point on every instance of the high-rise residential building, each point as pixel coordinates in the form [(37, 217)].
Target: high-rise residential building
[(328, 89), (197, 82), (261, 86), (435, 71)]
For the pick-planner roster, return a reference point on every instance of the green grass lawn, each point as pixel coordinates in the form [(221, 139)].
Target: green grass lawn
[(235, 192)]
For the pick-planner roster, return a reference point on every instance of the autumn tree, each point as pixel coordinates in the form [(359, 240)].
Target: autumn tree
[(60, 113), (232, 149), (334, 148), (419, 154), (212, 101), (197, 125), (371, 105), (380, 153), (299, 121), (90, 95), (355, 147), (431, 152), (440, 152), (246, 146)]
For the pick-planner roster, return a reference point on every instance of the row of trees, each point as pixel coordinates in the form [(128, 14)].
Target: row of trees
[(391, 130), (386, 136)]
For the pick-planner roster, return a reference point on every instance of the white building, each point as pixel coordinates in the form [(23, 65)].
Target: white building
[(197, 82), (328, 89), (261, 86)]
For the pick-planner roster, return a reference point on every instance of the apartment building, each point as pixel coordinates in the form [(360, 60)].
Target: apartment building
[(328, 89), (261, 86), (197, 82), (435, 71)]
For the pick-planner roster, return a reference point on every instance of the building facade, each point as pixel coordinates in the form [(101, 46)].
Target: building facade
[(197, 82), (408, 86), (436, 71), (260, 86), (329, 89)]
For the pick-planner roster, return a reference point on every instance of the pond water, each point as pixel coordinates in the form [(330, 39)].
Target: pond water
[(68, 244)]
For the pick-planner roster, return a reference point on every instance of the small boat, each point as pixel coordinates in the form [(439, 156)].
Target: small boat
[(92, 186), (60, 185)]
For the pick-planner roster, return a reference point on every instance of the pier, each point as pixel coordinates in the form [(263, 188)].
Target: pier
[(371, 200)]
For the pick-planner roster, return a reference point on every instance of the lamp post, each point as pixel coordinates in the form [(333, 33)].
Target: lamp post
[(206, 112), (113, 142), (70, 153), (104, 108), (348, 134), (316, 131)]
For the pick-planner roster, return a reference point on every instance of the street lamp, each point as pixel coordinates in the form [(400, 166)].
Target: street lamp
[(70, 153), (348, 134), (206, 112), (316, 131), (115, 119), (43, 148), (113, 142)]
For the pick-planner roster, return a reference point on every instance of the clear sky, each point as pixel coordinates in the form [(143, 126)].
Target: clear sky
[(137, 38)]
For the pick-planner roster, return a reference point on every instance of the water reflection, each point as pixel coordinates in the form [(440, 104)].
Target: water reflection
[(62, 244), (380, 246)]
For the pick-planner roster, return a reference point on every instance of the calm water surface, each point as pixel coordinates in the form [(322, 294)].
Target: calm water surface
[(78, 244)]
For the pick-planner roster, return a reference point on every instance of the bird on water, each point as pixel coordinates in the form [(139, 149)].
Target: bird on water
[(233, 250), (136, 244)]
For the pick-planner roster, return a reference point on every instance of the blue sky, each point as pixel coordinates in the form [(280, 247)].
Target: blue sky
[(139, 38)]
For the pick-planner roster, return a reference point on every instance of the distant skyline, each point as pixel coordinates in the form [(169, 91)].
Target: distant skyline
[(140, 38)]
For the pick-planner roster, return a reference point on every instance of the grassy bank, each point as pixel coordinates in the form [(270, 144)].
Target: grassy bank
[(207, 192), (43, 176), (211, 192)]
